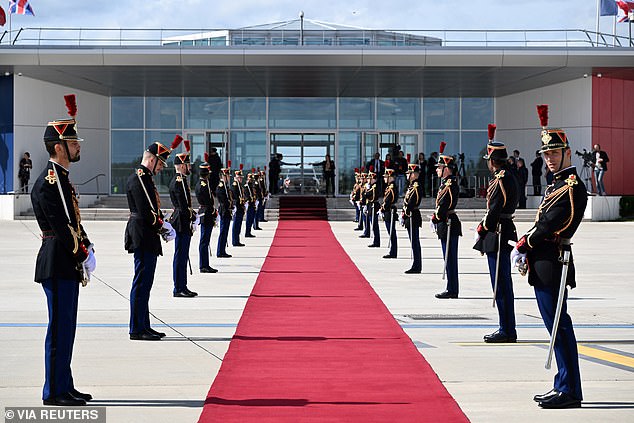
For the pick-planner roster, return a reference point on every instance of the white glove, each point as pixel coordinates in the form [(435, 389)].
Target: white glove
[(517, 258), (90, 264), (433, 226), (401, 219), (197, 221), (476, 236), (167, 232)]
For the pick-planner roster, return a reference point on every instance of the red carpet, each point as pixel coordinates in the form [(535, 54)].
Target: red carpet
[(316, 344)]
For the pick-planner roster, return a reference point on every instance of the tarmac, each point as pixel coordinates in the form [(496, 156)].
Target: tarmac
[(167, 381)]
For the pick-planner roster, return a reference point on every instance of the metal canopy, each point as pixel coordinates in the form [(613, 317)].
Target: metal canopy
[(312, 72)]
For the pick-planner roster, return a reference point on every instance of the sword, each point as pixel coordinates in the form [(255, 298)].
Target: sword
[(497, 265), (444, 270), (560, 304)]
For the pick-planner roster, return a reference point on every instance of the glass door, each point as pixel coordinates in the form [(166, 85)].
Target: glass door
[(220, 141)]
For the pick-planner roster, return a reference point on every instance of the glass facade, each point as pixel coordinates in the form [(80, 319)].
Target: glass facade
[(248, 130)]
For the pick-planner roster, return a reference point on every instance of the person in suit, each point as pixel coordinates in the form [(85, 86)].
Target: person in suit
[(143, 232), (379, 167), (401, 168), (328, 172), (431, 172), (388, 209), (65, 259), (215, 164), (207, 215), (226, 202), (536, 172), (275, 168), (522, 180), (544, 248), (445, 221), (237, 189), (372, 203), (182, 220), (251, 199), (493, 234), (411, 217), (422, 164)]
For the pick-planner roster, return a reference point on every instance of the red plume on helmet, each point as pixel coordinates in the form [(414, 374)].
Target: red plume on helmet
[(371, 168), (409, 157), (542, 112), (265, 168), (252, 170), (387, 163), (177, 141), (206, 157), (228, 163), (71, 104), (356, 170), (241, 166), (363, 169), (186, 142), (442, 147), (492, 129)]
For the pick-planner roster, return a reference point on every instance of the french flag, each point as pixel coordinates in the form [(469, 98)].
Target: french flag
[(626, 6), (20, 7)]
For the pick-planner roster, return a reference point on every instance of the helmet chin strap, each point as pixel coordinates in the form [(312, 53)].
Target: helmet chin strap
[(156, 159)]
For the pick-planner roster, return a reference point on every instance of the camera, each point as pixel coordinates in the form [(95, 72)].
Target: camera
[(586, 156), (461, 157)]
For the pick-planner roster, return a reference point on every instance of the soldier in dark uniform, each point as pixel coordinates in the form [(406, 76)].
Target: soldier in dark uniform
[(142, 237), (493, 235), (225, 208), (543, 247), (215, 164), (411, 217), (265, 197), (367, 212), (388, 209), (359, 201), (182, 220), (207, 215), (354, 194), (250, 198), (237, 189), (372, 202), (446, 221), (65, 258), (259, 199)]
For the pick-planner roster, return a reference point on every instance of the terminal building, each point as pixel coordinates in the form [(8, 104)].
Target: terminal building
[(306, 89)]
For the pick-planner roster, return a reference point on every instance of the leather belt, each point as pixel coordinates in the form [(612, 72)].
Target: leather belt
[(506, 216), (565, 241), (451, 212), (48, 234)]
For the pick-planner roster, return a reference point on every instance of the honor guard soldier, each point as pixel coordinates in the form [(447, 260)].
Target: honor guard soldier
[(545, 251), (360, 201), (65, 258), (240, 200), (142, 237), (493, 234), (367, 213), (207, 215), (251, 199), (354, 195), (372, 203), (182, 220), (224, 194), (445, 221), (388, 209), (265, 198), (411, 217), (259, 198)]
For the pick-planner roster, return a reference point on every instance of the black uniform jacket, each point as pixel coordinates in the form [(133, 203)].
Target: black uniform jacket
[(64, 243), (389, 198), (502, 197), (250, 193), (410, 205), (181, 197), (225, 199), (372, 197), (146, 218), (355, 195), (446, 202), (558, 218), (238, 194), (259, 190), (206, 211)]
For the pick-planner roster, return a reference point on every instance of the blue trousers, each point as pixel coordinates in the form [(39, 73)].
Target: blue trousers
[(361, 226), (225, 222), (62, 298), (390, 224), (452, 263), (181, 256), (356, 212), (144, 267), (368, 221), (259, 215), (412, 231), (203, 246), (250, 218), (237, 226), (376, 232), (504, 298), (568, 377)]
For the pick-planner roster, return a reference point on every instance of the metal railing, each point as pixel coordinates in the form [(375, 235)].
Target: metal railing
[(94, 178), (246, 38)]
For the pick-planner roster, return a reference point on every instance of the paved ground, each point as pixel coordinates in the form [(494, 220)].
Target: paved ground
[(167, 381)]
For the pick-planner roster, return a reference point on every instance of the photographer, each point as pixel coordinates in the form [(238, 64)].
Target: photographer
[(536, 167), (600, 160)]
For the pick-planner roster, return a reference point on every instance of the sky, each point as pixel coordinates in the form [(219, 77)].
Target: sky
[(386, 14)]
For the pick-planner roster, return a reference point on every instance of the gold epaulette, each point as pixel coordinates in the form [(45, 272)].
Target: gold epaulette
[(500, 174), (179, 179), (140, 172), (203, 184), (448, 183), (415, 184), (220, 184)]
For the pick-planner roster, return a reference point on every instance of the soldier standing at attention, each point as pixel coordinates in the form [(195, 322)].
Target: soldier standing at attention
[(372, 202), (182, 220), (367, 212), (225, 207), (388, 208), (445, 220), (493, 235), (238, 194), (65, 259), (251, 199), (359, 201), (545, 247), (411, 217), (258, 187), (207, 214)]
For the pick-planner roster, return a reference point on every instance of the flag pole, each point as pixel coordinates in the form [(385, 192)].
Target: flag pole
[(614, 31), (598, 14)]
